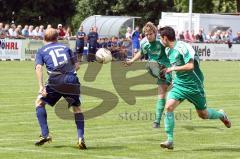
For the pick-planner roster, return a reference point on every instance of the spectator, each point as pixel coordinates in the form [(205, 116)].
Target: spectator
[(192, 36), (1, 31), (18, 33), (209, 37), (25, 32), (187, 36), (41, 31), (115, 48), (30, 31), (49, 26), (6, 30), (128, 34), (36, 32), (181, 36), (224, 37), (203, 34), (101, 43), (127, 48), (237, 39), (216, 37), (60, 31), (12, 30), (199, 36), (229, 35), (68, 33)]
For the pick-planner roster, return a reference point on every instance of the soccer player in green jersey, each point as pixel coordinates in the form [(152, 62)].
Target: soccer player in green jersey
[(187, 84), (155, 51)]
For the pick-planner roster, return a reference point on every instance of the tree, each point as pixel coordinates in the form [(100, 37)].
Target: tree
[(86, 8), (209, 6), (199, 6), (224, 6), (238, 5), (139, 8), (37, 11)]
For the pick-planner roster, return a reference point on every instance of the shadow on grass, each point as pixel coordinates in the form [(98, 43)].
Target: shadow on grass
[(193, 128), (106, 147), (218, 149), (93, 147)]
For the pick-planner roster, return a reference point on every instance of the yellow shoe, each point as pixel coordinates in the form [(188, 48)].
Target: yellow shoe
[(81, 144), (42, 140)]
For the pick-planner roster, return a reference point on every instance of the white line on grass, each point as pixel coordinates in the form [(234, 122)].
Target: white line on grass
[(61, 153)]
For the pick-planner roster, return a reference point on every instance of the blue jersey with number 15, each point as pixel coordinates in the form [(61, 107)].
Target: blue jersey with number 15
[(56, 57)]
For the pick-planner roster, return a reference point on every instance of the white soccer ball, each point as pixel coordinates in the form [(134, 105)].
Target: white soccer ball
[(103, 55)]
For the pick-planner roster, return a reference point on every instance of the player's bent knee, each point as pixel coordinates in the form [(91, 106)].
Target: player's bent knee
[(162, 95), (203, 115), (76, 109), (169, 108), (39, 103)]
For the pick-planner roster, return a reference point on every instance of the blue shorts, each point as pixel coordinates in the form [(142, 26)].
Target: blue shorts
[(67, 86), (136, 45), (92, 49)]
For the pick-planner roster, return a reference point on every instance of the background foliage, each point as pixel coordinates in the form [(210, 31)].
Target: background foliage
[(73, 12)]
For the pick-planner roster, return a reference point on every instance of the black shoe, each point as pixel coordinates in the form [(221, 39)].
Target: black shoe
[(81, 144), (42, 140), (156, 125)]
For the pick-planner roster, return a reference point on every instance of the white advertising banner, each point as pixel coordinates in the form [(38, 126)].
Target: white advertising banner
[(26, 49), (217, 51), (10, 49), (30, 47)]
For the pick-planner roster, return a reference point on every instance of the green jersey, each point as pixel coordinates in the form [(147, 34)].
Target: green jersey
[(155, 51), (180, 55)]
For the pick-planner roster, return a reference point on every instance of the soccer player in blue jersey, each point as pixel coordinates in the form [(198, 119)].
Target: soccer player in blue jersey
[(93, 43), (187, 83), (135, 40), (61, 64), (80, 43)]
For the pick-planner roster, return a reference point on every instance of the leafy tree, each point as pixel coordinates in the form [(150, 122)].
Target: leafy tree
[(37, 11), (209, 6), (238, 5)]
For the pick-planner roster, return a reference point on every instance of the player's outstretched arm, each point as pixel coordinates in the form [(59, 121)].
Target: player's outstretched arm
[(136, 57), (187, 67)]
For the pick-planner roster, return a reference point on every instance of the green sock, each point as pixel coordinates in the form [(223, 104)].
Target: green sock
[(169, 125), (213, 114), (159, 109)]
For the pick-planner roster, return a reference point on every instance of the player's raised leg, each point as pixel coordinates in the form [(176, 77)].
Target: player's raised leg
[(210, 113)]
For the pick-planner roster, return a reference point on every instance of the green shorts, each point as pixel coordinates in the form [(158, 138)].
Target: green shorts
[(196, 97)]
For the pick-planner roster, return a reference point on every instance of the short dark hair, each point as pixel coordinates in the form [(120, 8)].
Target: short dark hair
[(169, 32)]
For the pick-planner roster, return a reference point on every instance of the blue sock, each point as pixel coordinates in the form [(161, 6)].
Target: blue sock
[(79, 120), (42, 120)]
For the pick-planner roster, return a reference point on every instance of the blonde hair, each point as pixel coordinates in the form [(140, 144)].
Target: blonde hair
[(149, 26), (51, 35)]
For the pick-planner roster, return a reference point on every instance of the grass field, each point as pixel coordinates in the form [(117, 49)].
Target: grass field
[(115, 135)]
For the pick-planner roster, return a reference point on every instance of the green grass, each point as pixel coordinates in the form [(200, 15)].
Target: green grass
[(110, 135)]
